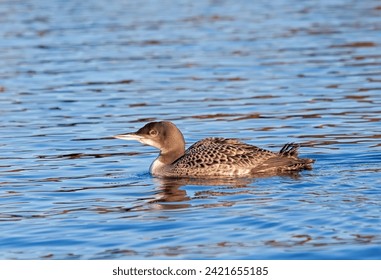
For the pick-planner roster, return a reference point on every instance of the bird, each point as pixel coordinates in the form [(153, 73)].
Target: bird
[(213, 157)]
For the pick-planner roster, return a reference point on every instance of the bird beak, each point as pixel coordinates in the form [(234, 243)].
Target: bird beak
[(129, 136)]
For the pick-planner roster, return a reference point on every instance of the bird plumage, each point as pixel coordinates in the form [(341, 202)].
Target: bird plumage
[(231, 157), (214, 157)]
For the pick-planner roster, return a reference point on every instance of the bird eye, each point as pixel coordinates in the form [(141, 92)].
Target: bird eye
[(153, 132)]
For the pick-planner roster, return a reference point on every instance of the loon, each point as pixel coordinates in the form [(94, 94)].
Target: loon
[(213, 157)]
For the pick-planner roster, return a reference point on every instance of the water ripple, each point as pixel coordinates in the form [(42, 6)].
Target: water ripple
[(74, 74)]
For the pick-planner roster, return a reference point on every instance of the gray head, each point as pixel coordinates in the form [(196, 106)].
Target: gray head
[(163, 135)]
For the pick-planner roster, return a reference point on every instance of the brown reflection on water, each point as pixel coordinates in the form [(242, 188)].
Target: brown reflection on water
[(305, 239), (355, 45), (170, 196), (297, 240)]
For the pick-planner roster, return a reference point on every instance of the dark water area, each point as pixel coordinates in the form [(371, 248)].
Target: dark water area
[(74, 73)]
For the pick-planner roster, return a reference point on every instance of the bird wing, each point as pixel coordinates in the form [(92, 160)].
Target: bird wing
[(212, 154)]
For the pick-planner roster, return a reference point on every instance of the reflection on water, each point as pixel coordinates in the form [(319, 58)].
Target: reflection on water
[(172, 196), (74, 74)]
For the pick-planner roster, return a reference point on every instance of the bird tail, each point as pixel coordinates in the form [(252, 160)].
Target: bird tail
[(290, 150)]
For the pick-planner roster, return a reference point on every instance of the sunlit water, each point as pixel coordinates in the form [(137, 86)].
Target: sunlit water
[(74, 73)]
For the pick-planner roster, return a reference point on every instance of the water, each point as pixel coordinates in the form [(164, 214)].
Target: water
[(75, 73)]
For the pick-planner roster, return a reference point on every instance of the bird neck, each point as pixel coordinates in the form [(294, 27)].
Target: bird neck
[(173, 145), (169, 156)]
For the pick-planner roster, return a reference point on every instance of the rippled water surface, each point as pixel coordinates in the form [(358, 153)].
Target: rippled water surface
[(74, 73)]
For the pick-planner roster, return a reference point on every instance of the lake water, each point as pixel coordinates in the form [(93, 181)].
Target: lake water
[(74, 73)]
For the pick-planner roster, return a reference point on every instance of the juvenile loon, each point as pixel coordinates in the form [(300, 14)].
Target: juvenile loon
[(213, 157)]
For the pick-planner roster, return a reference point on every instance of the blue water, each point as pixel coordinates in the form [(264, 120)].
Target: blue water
[(74, 73)]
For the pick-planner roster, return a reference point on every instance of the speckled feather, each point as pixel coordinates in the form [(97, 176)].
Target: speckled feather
[(231, 157)]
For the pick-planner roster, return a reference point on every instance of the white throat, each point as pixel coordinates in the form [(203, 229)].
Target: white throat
[(157, 167)]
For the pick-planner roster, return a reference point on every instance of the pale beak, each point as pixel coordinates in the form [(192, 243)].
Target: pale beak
[(128, 136)]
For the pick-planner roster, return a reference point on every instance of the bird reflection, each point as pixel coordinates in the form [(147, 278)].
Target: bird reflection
[(171, 195)]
